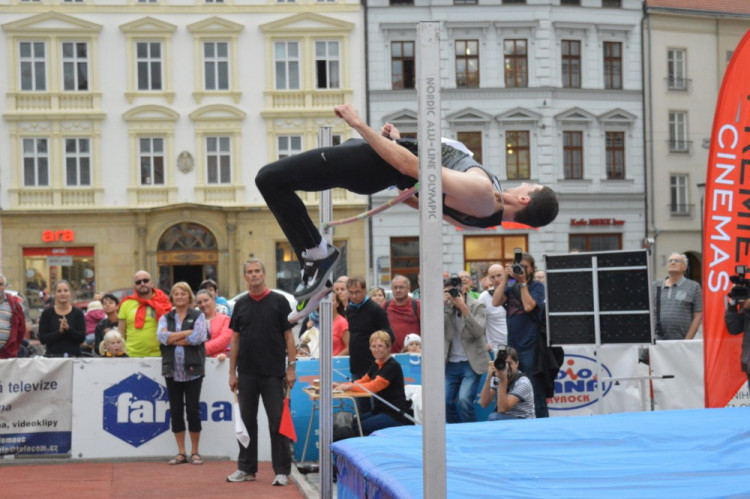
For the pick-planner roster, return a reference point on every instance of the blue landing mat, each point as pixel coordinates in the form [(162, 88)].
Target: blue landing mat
[(688, 453)]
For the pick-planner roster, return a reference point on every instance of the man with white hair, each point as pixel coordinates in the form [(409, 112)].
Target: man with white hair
[(677, 302)]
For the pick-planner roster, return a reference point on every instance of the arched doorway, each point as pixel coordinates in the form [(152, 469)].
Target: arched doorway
[(186, 252)]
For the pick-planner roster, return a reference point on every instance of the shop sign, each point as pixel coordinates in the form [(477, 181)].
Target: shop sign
[(60, 261), (56, 236), (596, 221)]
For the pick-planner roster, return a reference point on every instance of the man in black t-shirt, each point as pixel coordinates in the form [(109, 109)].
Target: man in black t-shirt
[(364, 317), (261, 343)]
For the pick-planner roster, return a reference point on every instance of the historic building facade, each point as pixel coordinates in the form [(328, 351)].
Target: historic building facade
[(688, 45), (545, 91), (134, 130)]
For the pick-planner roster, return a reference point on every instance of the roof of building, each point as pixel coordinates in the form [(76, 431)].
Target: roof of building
[(741, 7)]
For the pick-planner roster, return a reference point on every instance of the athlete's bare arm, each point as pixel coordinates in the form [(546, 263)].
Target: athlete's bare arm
[(469, 192)]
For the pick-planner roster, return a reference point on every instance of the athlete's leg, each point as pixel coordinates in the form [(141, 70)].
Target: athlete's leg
[(353, 166)]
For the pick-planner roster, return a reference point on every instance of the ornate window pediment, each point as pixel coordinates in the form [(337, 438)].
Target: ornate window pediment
[(617, 117), (469, 116), (519, 115), (307, 22), (575, 116)]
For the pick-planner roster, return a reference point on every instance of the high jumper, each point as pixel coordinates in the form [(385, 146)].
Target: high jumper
[(472, 196)]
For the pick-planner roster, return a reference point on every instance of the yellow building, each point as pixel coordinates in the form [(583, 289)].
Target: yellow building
[(134, 131)]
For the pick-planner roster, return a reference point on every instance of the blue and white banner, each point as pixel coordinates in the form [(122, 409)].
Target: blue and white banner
[(576, 391), (35, 406), (121, 409)]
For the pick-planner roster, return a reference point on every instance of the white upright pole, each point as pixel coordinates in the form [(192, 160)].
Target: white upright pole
[(431, 259), (325, 421)]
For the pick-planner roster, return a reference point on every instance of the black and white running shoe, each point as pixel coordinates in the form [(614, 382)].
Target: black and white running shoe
[(315, 273), (309, 305)]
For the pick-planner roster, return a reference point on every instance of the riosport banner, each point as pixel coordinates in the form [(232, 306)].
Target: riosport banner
[(35, 406), (726, 240)]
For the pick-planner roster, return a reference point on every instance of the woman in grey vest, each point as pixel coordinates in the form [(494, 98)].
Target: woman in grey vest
[(182, 334)]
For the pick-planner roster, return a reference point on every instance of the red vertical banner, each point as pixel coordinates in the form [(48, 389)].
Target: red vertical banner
[(726, 227)]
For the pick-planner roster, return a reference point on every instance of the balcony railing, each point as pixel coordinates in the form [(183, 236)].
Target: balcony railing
[(319, 99), (680, 210), (31, 198), (54, 101), (678, 84), (682, 146)]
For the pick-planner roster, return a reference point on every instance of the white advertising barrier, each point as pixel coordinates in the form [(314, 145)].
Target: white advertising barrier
[(741, 398), (121, 409), (682, 359), (35, 409), (576, 391)]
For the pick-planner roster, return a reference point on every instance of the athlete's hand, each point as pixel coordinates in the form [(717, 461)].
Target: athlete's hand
[(347, 113), (390, 131)]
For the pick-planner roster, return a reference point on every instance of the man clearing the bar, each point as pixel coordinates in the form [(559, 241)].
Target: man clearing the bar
[(472, 197)]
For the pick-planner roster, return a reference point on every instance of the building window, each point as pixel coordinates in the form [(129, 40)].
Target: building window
[(405, 258), (473, 142), (517, 163), (465, 2), (678, 199), (148, 62), (286, 60), (516, 63), (612, 4), (402, 65), (327, 64), (571, 63), (678, 131), (594, 242), (467, 63), (33, 66), (219, 160), (517, 2), (613, 65), (287, 265), (77, 162), (35, 162), (401, 2), (676, 73), (75, 59), (573, 154), (482, 251), (571, 2), (151, 156), (289, 145), (216, 65), (615, 144)]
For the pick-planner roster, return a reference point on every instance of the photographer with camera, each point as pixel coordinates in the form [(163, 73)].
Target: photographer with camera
[(465, 350), (508, 387), (525, 305), (737, 314), (677, 302)]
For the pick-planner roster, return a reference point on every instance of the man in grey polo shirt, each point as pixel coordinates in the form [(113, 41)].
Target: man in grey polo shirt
[(677, 302)]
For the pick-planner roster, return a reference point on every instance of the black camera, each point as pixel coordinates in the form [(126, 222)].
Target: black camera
[(501, 359), (741, 290), (518, 269), (453, 283)]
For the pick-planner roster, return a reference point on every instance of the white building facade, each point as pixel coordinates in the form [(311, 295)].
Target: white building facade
[(541, 92), (688, 46)]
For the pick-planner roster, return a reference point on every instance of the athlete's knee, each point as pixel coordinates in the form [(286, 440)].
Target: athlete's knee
[(267, 178)]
